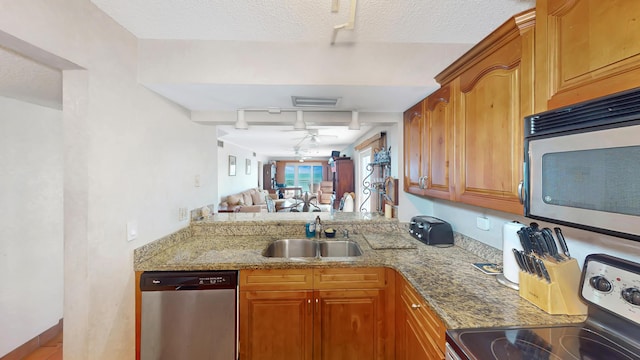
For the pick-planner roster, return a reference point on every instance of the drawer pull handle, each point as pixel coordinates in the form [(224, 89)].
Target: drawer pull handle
[(415, 306)]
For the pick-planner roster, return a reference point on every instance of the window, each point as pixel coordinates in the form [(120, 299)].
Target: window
[(303, 175)]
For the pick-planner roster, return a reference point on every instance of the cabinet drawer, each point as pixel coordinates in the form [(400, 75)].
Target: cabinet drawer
[(429, 322), (276, 279), (349, 278)]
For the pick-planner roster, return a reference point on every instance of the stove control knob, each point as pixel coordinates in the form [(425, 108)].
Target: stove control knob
[(631, 295), (600, 283)]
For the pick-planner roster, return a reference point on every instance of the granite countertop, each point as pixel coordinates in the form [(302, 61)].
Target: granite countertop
[(462, 296)]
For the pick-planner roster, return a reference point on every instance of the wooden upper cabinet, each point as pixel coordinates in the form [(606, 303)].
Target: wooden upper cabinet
[(438, 143), (585, 49), (414, 149), (493, 89)]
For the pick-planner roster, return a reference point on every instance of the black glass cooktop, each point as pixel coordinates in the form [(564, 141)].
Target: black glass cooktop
[(562, 342)]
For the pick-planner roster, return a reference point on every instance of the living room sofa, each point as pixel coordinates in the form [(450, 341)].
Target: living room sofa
[(251, 200)]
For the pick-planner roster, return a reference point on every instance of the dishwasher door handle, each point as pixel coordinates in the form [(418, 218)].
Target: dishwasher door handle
[(187, 287)]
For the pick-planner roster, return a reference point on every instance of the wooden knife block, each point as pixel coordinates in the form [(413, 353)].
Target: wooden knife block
[(561, 295)]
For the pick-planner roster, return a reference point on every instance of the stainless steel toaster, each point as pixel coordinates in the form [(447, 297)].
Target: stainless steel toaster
[(431, 230)]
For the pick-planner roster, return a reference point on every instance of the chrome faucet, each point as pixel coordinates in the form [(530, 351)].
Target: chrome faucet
[(318, 227), (345, 233)]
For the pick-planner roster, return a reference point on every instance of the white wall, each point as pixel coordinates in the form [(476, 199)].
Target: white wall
[(129, 156), (31, 243), (227, 184), (463, 220)]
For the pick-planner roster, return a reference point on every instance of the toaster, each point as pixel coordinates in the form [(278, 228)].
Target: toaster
[(430, 230)]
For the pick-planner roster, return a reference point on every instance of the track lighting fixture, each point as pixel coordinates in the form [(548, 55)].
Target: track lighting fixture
[(299, 124), (241, 123), (355, 122)]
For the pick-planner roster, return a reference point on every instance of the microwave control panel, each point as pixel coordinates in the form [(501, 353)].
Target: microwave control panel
[(612, 284)]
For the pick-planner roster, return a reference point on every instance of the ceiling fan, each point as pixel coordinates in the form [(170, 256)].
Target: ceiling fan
[(313, 137), (300, 153)]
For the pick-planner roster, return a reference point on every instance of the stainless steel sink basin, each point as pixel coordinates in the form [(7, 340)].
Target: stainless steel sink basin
[(293, 248), (288, 248), (339, 248)]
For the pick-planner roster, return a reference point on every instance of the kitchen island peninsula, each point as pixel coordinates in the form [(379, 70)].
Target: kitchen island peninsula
[(438, 280)]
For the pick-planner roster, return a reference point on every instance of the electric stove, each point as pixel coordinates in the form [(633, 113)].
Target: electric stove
[(611, 288)]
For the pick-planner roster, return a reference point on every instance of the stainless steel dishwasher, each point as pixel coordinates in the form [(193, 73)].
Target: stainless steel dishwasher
[(189, 315)]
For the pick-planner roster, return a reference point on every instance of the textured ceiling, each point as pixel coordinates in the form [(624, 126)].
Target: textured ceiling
[(424, 36), (258, 53), (405, 21)]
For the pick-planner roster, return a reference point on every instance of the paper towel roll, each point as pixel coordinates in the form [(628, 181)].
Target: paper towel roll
[(388, 211), (510, 240)]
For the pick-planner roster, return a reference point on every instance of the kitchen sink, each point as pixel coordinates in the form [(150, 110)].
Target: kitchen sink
[(287, 248), (339, 248), (294, 248)]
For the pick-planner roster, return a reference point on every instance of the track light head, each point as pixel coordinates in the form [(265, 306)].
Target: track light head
[(241, 123), (355, 122)]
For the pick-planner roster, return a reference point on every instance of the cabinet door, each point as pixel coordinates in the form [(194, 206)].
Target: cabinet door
[(438, 139), (420, 333), (349, 325), (276, 325), (585, 49), (414, 125), (491, 138), (414, 345)]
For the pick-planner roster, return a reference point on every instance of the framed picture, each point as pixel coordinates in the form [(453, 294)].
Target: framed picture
[(248, 166), (232, 165)]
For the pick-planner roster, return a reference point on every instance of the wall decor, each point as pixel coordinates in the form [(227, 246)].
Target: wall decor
[(248, 166), (232, 165)]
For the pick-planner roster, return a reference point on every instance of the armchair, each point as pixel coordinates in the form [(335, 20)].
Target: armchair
[(325, 192)]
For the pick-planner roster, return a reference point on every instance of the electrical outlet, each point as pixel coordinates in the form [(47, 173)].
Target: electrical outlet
[(483, 223), (182, 214), (197, 181), (132, 230)]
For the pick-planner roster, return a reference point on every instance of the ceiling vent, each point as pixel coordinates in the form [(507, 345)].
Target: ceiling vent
[(301, 101)]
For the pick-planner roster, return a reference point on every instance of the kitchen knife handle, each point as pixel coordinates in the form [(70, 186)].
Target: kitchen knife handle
[(518, 256), (544, 271), (524, 240), (544, 247), (563, 242), (551, 242)]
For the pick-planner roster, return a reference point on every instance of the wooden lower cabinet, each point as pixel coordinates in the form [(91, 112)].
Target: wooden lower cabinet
[(278, 324), (347, 323), (420, 334)]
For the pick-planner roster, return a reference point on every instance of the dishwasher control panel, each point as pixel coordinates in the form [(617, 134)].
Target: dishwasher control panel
[(187, 280)]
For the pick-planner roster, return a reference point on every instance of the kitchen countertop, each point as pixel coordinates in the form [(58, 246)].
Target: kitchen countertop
[(462, 296)]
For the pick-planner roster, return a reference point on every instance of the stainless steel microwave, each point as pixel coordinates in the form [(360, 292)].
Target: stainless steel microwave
[(582, 165)]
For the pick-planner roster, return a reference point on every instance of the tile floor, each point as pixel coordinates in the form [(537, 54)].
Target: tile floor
[(49, 351)]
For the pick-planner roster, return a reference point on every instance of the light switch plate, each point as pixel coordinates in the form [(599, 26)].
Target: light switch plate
[(132, 230), (483, 223)]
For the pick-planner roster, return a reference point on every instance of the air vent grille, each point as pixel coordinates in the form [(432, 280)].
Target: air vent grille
[(609, 110), (301, 101)]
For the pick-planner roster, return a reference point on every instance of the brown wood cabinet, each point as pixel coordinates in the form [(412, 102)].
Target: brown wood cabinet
[(420, 334), (484, 97), (343, 179), (428, 139), (414, 149), (316, 314), (585, 49), (269, 177)]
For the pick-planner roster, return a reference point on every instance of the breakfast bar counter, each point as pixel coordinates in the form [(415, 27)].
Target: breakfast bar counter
[(459, 294)]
